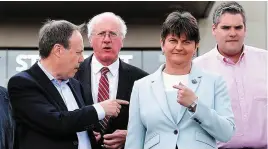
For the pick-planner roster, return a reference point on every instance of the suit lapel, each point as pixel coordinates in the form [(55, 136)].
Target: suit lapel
[(47, 84), (159, 93), (74, 90), (86, 77), (122, 81), (194, 80)]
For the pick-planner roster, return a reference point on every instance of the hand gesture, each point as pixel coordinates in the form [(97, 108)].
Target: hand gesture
[(112, 107), (185, 95)]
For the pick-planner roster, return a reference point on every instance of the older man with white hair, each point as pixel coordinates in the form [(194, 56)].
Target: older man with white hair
[(105, 77)]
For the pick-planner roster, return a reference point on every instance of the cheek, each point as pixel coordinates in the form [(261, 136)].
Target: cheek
[(95, 43), (117, 46), (74, 59), (241, 34), (167, 48), (191, 53), (220, 36)]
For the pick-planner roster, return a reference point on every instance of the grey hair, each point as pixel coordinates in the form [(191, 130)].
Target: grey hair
[(54, 32), (98, 17), (228, 7)]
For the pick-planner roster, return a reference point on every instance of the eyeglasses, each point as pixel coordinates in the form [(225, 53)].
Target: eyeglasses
[(110, 34)]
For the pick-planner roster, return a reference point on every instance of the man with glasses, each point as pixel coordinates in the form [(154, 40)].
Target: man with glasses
[(105, 77)]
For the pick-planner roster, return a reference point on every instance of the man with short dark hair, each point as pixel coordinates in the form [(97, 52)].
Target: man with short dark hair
[(245, 70), (48, 103)]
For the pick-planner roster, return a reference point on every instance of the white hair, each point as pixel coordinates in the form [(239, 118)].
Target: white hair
[(98, 17)]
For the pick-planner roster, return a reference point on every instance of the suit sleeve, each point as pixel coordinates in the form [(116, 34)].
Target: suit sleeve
[(136, 129), (218, 122), (33, 109)]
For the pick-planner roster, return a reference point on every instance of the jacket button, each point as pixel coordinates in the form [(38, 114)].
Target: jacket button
[(175, 132), (75, 142), (197, 120)]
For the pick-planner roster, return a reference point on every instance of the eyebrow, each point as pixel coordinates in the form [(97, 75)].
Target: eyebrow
[(228, 26), (106, 31)]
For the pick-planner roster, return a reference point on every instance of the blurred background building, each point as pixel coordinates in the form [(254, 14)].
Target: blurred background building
[(20, 23)]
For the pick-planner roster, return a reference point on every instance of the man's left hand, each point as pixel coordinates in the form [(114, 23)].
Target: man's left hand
[(116, 140)]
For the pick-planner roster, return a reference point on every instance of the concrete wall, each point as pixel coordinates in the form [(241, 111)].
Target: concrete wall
[(256, 26)]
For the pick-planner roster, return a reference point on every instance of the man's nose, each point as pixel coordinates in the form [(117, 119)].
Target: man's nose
[(107, 38), (232, 32), (81, 59)]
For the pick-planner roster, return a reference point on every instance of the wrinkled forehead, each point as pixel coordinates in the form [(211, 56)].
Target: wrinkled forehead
[(107, 23)]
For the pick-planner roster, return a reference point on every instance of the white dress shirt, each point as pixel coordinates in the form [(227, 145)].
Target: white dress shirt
[(171, 80), (112, 76), (71, 104), (171, 93)]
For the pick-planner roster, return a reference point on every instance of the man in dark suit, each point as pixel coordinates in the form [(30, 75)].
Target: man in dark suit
[(106, 32), (48, 104), (6, 121)]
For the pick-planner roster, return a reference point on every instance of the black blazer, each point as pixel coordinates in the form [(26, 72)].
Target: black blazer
[(42, 118), (128, 74)]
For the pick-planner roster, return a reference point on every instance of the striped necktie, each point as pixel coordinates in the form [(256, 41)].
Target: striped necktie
[(103, 94)]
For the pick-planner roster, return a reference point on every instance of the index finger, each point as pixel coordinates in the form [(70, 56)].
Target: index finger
[(109, 136), (123, 102), (176, 86), (179, 87)]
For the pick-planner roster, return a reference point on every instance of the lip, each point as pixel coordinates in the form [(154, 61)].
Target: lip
[(106, 48), (178, 53), (232, 41)]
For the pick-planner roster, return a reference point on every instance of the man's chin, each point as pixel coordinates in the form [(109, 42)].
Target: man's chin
[(109, 58), (232, 52)]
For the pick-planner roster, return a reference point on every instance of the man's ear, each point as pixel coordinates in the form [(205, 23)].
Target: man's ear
[(123, 42), (162, 45), (90, 41), (57, 50), (214, 26)]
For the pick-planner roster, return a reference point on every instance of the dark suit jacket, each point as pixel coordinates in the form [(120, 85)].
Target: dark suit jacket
[(42, 118), (128, 74), (6, 121)]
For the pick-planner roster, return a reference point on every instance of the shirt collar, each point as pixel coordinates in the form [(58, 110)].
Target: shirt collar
[(97, 66), (51, 78), (227, 60)]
